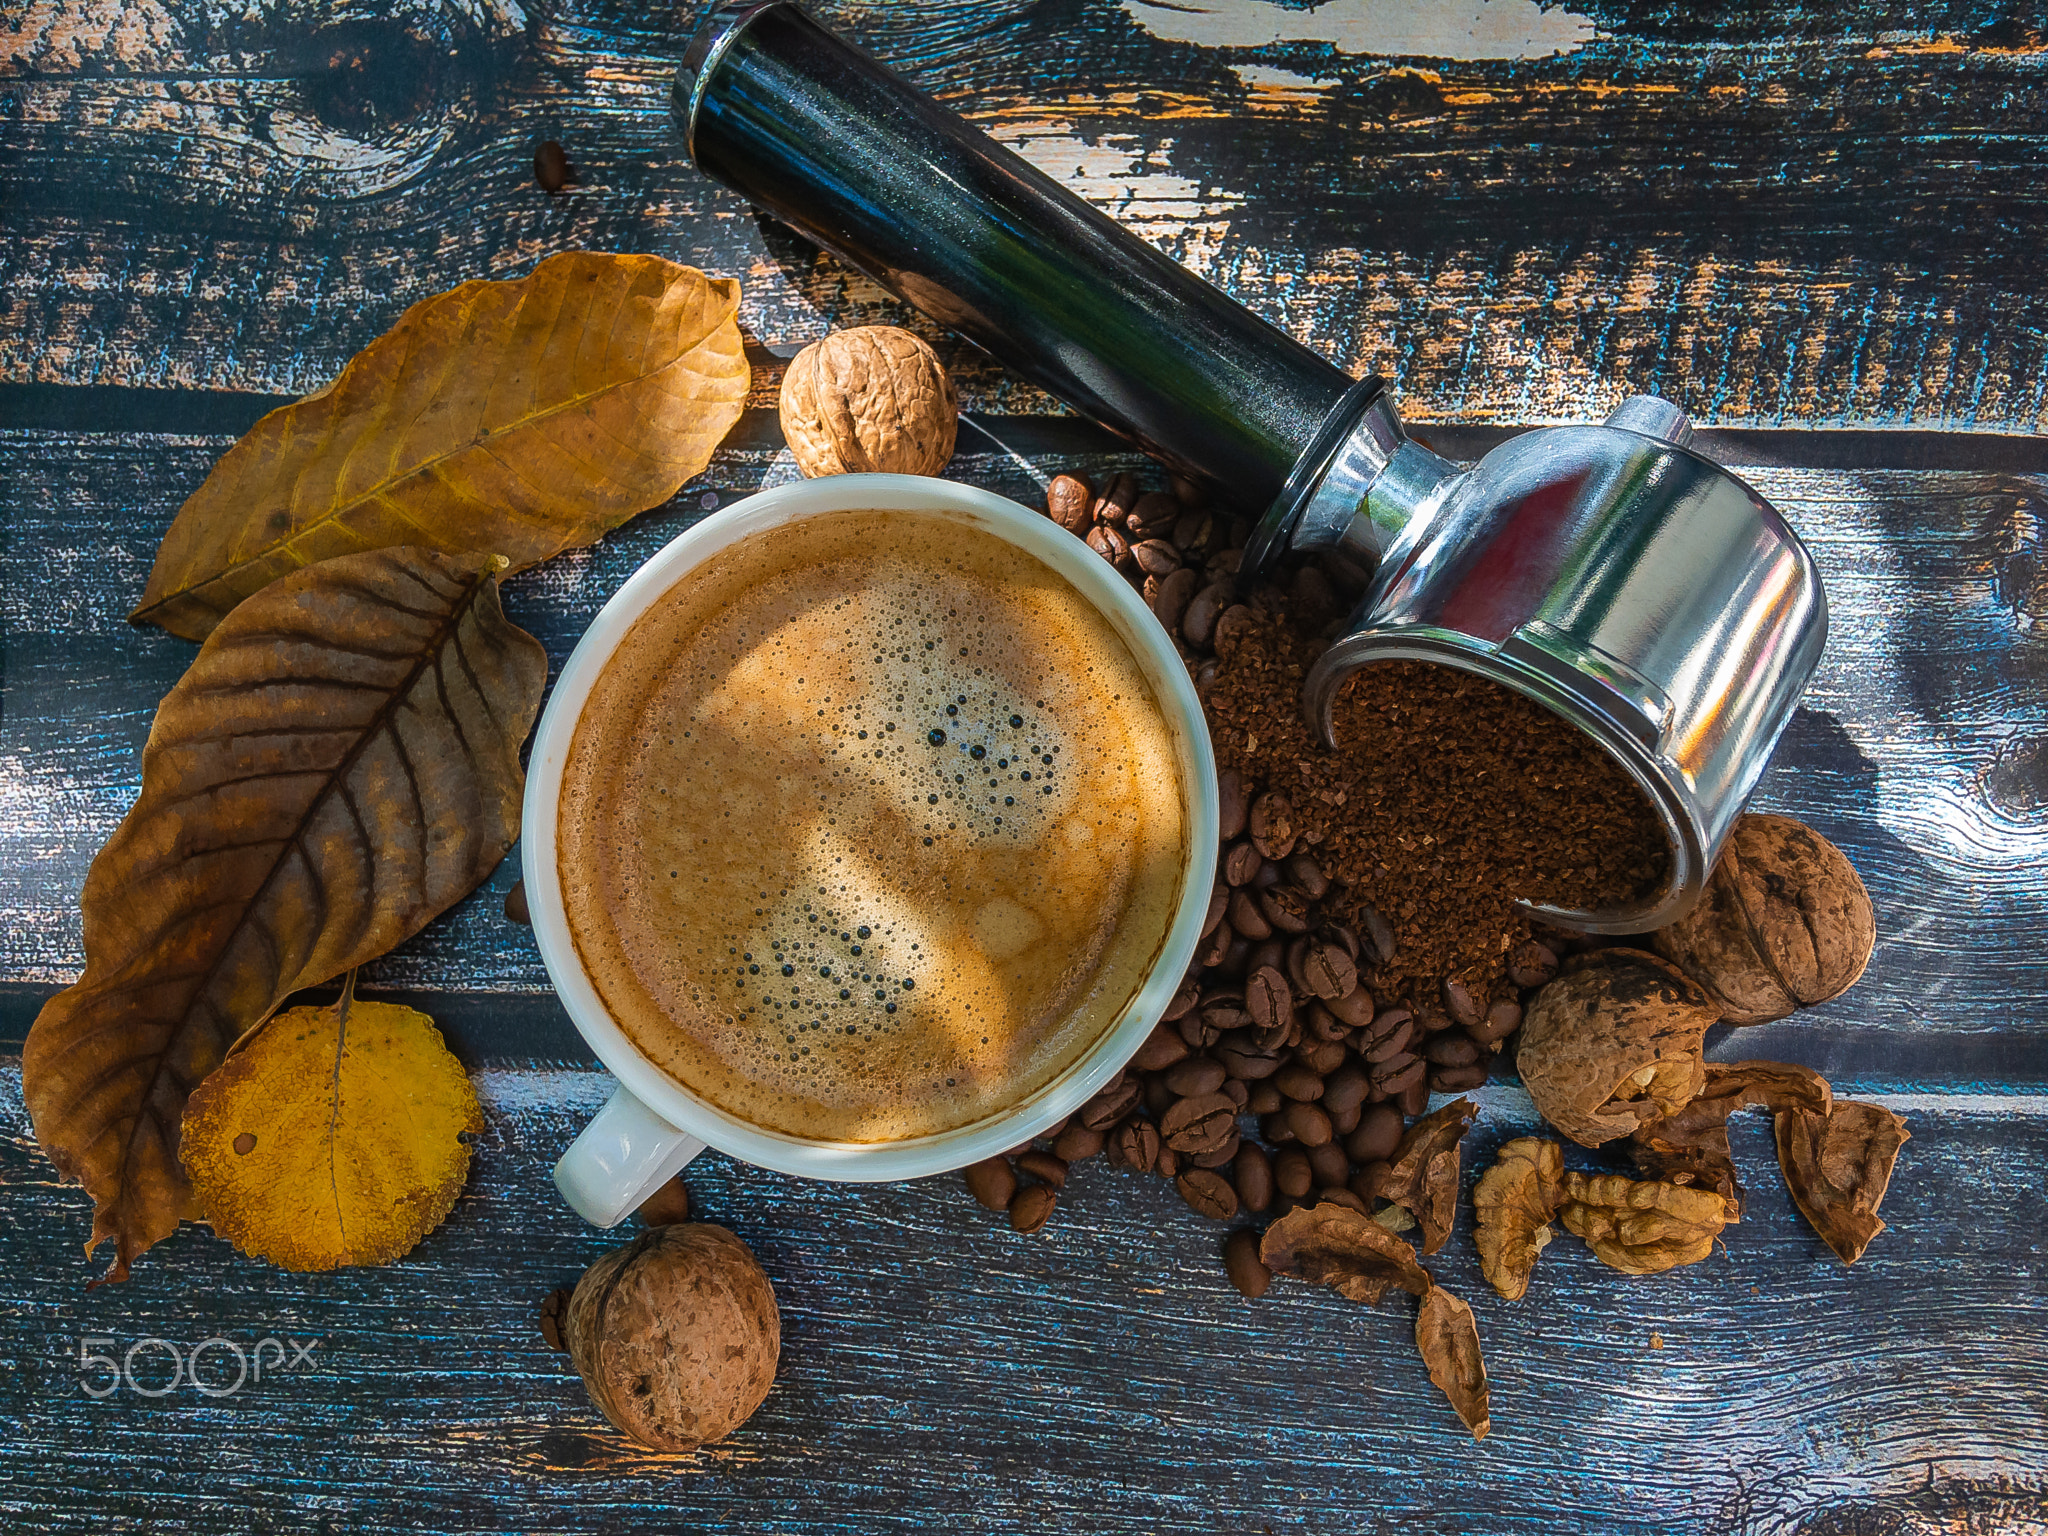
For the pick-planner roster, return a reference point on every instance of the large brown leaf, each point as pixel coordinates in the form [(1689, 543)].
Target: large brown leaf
[(523, 417), (340, 764)]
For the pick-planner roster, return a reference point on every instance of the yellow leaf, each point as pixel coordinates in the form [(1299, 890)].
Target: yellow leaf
[(332, 1137), (517, 418)]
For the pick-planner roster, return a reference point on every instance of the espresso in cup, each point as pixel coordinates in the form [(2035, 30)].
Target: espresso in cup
[(870, 828)]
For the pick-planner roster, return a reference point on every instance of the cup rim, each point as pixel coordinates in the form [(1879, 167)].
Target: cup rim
[(1126, 612)]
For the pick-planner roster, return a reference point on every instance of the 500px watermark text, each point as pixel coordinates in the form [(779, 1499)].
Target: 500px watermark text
[(215, 1367)]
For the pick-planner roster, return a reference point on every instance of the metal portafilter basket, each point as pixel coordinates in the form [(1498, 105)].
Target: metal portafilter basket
[(1608, 572)]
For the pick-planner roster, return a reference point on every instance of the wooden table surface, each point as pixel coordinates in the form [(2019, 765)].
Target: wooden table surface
[(1819, 228)]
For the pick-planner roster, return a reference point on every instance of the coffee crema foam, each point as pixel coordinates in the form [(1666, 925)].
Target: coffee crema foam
[(870, 828)]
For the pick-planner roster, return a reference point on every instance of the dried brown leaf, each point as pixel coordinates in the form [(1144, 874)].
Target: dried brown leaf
[(1423, 1173), (1691, 1146), (339, 765), (1344, 1249), (1838, 1167), (1448, 1337), (523, 417), (1514, 1202)]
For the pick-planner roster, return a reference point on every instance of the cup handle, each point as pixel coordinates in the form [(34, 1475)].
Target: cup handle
[(621, 1158)]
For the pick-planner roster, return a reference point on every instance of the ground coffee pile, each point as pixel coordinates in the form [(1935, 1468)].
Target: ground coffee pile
[(1448, 799)]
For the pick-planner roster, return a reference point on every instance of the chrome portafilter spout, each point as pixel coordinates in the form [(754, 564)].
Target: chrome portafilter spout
[(1608, 572)]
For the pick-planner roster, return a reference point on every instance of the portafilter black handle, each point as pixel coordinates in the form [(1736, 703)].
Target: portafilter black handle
[(821, 135)]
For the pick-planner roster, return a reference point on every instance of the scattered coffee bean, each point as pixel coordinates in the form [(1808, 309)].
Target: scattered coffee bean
[(1110, 544), (1328, 1163), (1195, 1076), (992, 1181), (1152, 516), (1324, 1026), (1223, 1153), (1173, 597), (1285, 908), (1393, 1076), (1533, 965), (1117, 499), (1330, 970), (1198, 628), (1158, 1097), (1342, 1120), (1112, 1102), (1272, 825), (1355, 1008), (551, 167), (1264, 1099), (1199, 1124), (1378, 1134), (1070, 502), (1462, 1006), (667, 1205), (1456, 1079), (555, 1304), (1155, 557), (1208, 1192), (516, 910), (1246, 918), (1241, 1262), (1232, 624), (1237, 1093), (1252, 1173), (1345, 1088), (1167, 1163), (1031, 1207), (1267, 954), (1414, 1099), (1184, 1001), (1298, 1082), (1245, 1059), (1230, 804), (1137, 1145), (1387, 1037), (1337, 1194), (1274, 1129), (1240, 862), (1045, 1166), (1162, 1048), (1291, 1173), (1321, 1057), (1077, 1143), (1377, 933), (1269, 1001), (1502, 1019), (1311, 1127), (1450, 1050)]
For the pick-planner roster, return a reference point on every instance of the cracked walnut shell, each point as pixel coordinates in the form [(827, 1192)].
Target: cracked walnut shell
[(1642, 1227), (872, 399), (1514, 1202), (1614, 1044), (1785, 923)]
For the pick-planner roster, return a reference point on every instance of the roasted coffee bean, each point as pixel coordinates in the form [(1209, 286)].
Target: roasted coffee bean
[(1342, 1121), (1321, 1057), (1219, 903), (1195, 1032), (1337, 1194), (1297, 953), (1330, 971), (1268, 1000), (1218, 1156), (1310, 1125), (1321, 1024), (555, 1305), (1155, 557), (1172, 598), (1025, 1146), (1314, 598), (1070, 502), (551, 167), (1208, 1193), (1305, 872), (516, 909), (1252, 1172), (1285, 908), (992, 1181), (1244, 1058), (1463, 1007), (1215, 946), (1205, 679), (1369, 1181), (1198, 628), (1385, 1047), (1266, 953), (1274, 1128), (1272, 824), (1341, 933), (1158, 1097), (1414, 1099), (1291, 1173), (1241, 1262), (1267, 877), (1240, 862), (1194, 531), (1167, 1163), (1044, 1166), (1186, 998), (1297, 1082), (1533, 965), (1199, 1124), (1231, 623), (1344, 1088), (1162, 1048), (1432, 1020), (1230, 804), (1196, 1076), (1450, 1050), (1456, 1079), (1377, 934), (668, 1205), (1116, 500), (1109, 543), (1263, 1099), (1136, 1144), (1153, 515), (1245, 917), (1328, 1163), (1223, 1010), (1236, 1092), (1378, 1133), (1230, 560), (1232, 963), (1502, 1019), (1189, 493), (1355, 1007), (1393, 1075), (1112, 1102), (1076, 1143), (1031, 1207)]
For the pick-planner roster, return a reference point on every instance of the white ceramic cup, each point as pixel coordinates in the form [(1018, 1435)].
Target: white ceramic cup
[(653, 1125)]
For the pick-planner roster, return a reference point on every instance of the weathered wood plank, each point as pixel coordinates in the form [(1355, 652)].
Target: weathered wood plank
[(1922, 747), (1809, 214), (941, 1373)]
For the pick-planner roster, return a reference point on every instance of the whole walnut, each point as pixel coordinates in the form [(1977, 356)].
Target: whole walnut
[(676, 1335), (873, 399), (1785, 923), (1613, 1044)]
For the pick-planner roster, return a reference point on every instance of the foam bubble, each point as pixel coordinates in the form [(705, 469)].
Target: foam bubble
[(870, 829)]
